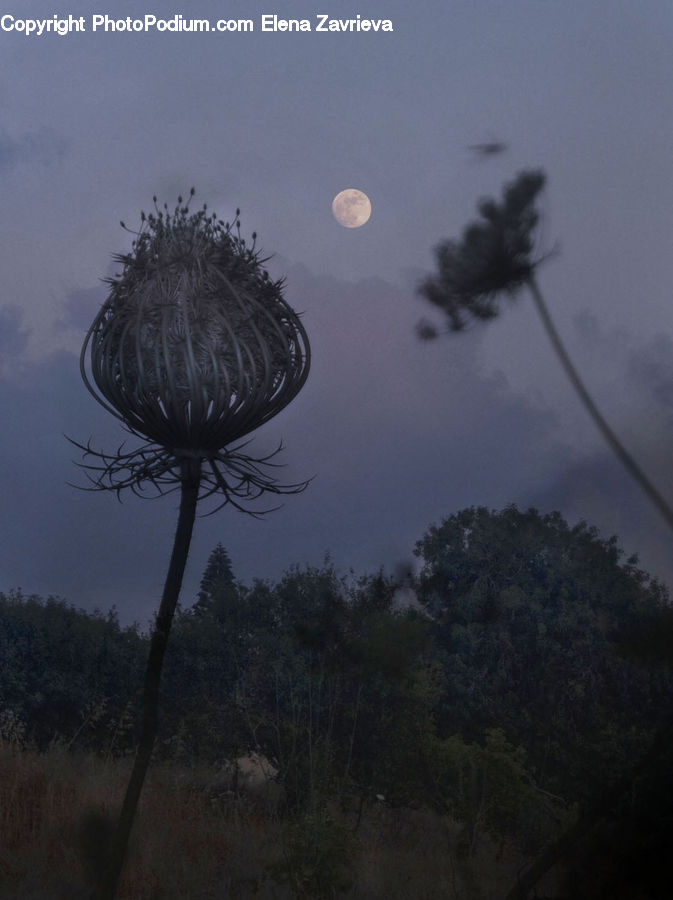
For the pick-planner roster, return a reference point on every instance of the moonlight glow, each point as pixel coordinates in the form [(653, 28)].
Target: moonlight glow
[(351, 208)]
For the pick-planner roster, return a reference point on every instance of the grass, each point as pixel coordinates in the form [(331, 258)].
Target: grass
[(57, 808)]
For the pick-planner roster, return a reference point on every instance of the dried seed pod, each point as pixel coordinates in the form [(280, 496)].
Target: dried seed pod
[(193, 349)]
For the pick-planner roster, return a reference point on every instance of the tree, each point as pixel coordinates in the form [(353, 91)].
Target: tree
[(334, 686), (530, 617), (217, 643), (217, 577), (485, 785), (495, 257), (67, 675), (526, 614), (194, 348)]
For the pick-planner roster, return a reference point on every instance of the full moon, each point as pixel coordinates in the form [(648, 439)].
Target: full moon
[(351, 208)]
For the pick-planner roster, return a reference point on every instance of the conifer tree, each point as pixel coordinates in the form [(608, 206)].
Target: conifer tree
[(217, 576)]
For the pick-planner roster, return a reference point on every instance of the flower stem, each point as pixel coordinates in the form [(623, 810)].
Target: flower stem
[(191, 472), (563, 846), (611, 438)]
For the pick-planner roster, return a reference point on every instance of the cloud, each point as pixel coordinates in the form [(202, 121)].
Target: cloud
[(650, 367), (80, 308), (398, 434), (13, 338), (632, 382), (598, 490), (55, 539), (42, 147)]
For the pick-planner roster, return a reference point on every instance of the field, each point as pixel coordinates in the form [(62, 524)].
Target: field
[(56, 809)]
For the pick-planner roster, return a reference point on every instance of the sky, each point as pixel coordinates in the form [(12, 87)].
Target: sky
[(395, 433)]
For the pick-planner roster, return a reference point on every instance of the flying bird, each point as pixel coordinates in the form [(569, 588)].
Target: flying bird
[(490, 148)]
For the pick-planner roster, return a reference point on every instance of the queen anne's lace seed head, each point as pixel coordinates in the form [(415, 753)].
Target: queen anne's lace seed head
[(193, 349)]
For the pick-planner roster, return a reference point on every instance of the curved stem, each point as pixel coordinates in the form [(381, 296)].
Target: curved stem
[(612, 794), (613, 441), (191, 470)]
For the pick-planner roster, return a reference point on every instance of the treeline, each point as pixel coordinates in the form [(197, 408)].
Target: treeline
[(524, 677)]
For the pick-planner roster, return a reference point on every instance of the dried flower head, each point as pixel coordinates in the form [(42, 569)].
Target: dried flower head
[(193, 349), (494, 255)]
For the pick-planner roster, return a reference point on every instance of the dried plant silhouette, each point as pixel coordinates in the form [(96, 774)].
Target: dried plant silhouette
[(495, 257), (194, 348)]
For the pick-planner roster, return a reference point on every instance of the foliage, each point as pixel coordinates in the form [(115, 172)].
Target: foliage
[(526, 613), (316, 861), (53, 827), (509, 704), (218, 577), (485, 786), (67, 674), (318, 674)]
